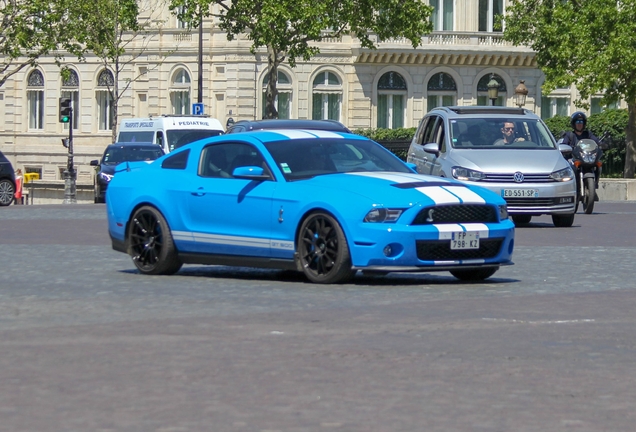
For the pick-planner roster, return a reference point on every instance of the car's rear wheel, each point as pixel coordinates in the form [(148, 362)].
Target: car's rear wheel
[(150, 243), (589, 195), (521, 219), (323, 250), (563, 221), (7, 192), (475, 274)]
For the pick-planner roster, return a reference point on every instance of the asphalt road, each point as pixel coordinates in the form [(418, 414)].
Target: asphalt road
[(88, 344)]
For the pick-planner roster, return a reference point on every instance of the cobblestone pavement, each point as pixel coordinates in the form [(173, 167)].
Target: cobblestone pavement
[(88, 344)]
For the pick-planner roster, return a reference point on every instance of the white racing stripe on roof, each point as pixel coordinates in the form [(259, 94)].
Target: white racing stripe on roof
[(439, 194), (293, 133), (465, 194), (325, 134)]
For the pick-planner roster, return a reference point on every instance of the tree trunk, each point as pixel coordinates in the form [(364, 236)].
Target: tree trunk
[(630, 142), (271, 92)]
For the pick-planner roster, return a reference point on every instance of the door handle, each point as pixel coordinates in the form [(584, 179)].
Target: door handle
[(199, 192)]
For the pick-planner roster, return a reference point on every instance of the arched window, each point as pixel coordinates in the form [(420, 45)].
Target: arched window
[(35, 99), (105, 108), (442, 91), (327, 97), (482, 91), (70, 89), (180, 92), (391, 100), (282, 103)]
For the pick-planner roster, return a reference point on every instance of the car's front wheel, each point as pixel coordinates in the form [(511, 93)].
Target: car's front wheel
[(150, 243), (521, 219), (563, 221), (7, 192), (474, 275), (323, 251)]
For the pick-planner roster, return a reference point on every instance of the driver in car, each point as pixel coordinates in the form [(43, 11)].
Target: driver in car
[(508, 132)]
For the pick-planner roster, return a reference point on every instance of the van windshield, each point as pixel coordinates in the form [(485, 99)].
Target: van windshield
[(180, 137), (136, 136)]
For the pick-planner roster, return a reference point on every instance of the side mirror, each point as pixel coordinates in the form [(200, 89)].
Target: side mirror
[(565, 149), (412, 166), (431, 148), (250, 173), (94, 162), (604, 146)]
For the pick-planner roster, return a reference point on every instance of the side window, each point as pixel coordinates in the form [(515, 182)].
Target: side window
[(429, 131), (159, 140), (419, 134), (177, 161), (220, 160), (440, 136)]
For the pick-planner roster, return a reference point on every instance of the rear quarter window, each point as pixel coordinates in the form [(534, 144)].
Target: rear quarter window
[(176, 161)]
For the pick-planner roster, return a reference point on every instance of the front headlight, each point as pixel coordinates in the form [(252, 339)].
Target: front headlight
[(380, 215), (105, 177), (563, 175), (503, 212), (466, 174), (589, 157)]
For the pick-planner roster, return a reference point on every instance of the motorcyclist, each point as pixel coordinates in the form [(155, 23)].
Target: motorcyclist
[(578, 122)]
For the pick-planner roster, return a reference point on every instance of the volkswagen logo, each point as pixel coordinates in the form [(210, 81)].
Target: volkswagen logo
[(518, 177)]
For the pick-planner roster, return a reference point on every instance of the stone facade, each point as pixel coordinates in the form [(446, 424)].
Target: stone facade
[(362, 88)]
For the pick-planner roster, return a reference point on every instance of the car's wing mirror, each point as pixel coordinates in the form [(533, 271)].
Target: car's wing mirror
[(250, 173), (412, 166), (431, 148), (604, 146), (94, 162), (565, 149)]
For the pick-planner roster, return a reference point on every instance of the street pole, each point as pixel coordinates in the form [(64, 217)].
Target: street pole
[(200, 84), (70, 175)]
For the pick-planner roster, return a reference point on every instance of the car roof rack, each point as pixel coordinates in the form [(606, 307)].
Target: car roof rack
[(486, 110)]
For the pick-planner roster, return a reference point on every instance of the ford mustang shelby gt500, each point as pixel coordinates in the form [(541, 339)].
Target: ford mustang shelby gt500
[(323, 203)]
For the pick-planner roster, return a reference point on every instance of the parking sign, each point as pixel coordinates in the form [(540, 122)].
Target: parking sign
[(197, 109)]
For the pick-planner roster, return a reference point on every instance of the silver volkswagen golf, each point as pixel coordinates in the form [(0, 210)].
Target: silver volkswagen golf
[(507, 150)]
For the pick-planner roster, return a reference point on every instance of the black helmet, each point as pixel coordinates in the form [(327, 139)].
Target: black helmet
[(579, 115)]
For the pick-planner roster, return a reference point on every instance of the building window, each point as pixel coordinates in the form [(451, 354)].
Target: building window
[(391, 100), (104, 98), (554, 105), (180, 92), (482, 91), (181, 24), (282, 103), (491, 15), (442, 91), (443, 16), (597, 107), (70, 89), (35, 99), (327, 97)]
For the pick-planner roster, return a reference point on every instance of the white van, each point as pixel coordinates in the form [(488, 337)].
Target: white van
[(168, 131)]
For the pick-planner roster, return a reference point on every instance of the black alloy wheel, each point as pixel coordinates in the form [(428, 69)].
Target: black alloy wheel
[(150, 243), (323, 250), (7, 192), (589, 195)]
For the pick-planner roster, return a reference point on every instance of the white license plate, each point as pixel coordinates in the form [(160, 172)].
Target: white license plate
[(519, 193), (465, 240)]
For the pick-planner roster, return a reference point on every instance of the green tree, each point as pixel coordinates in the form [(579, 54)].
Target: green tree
[(587, 43), (288, 28), (30, 29)]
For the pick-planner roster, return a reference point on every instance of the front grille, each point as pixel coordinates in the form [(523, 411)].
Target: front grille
[(460, 213), (439, 250), (510, 178)]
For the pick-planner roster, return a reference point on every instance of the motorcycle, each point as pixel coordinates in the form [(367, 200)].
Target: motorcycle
[(586, 160)]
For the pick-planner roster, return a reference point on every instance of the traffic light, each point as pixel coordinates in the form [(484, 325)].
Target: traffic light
[(65, 110)]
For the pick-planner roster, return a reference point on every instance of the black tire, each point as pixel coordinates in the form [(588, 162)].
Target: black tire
[(589, 195), (474, 275), (563, 221), (7, 192), (323, 251), (521, 219), (150, 243)]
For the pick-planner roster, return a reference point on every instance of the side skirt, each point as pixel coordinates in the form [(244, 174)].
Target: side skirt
[(238, 261)]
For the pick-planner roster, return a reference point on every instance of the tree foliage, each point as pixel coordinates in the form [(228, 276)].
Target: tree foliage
[(290, 28), (591, 44)]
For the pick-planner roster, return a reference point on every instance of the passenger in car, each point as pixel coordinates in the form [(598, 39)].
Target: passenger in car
[(509, 137)]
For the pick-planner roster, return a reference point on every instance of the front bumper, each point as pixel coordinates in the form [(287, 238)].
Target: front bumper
[(552, 198)]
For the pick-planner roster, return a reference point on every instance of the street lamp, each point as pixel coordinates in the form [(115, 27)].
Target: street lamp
[(493, 89), (521, 91)]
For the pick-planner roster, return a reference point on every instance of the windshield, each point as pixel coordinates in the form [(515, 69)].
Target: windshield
[(136, 136), (117, 154), (180, 137), (299, 159), (500, 133)]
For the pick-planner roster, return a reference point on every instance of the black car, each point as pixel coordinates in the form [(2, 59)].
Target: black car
[(7, 181), (250, 125), (116, 154)]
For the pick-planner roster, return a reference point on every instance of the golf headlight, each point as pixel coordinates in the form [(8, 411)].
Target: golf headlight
[(563, 175), (503, 212), (105, 177), (379, 215), (466, 174)]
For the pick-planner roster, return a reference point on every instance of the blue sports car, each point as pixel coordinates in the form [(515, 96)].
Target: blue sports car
[(323, 203)]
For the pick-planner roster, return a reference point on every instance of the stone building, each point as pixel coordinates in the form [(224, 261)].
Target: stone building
[(393, 86)]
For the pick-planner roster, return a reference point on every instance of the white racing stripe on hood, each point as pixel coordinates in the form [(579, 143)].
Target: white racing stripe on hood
[(396, 177), (439, 194), (465, 194)]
